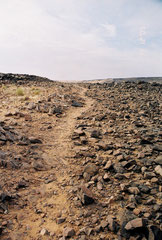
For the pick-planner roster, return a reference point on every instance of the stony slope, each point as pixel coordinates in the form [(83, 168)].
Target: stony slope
[(80, 161)]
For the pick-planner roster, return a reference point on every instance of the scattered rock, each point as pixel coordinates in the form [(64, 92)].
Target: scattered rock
[(44, 232), (60, 220), (158, 160), (96, 134), (133, 190), (91, 169), (76, 104), (35, 140), (114, 153), (68, 232), (158, 170), (135, 223), (86, 196), (112, 224), (109, 165)]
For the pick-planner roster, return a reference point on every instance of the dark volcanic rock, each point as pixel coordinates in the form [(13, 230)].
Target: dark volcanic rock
[(68, 232), (96, 134), (35, 140), (134, 224), (76, 104), (91, 169), (85, 195), (158, 160)]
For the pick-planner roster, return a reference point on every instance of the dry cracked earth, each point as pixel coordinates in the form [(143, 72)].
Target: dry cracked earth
[(80, 161)]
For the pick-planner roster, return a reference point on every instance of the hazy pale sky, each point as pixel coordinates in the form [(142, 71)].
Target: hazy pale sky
[(81, 39)]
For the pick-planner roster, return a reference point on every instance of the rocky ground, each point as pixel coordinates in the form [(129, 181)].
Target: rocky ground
[(80, 161)]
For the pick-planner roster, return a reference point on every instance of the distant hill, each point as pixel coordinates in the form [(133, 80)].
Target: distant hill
[(18, 78)]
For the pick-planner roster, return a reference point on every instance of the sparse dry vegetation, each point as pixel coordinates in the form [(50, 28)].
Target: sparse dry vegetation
[(20, 92), (36, 91)]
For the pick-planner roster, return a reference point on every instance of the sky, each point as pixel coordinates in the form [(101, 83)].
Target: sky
[(81, 39)]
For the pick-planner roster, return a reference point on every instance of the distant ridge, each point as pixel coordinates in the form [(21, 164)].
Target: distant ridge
[(132, 79), (18, 78)]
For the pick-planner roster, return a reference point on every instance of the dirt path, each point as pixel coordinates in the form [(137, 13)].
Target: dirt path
[(64, 129), (49, 201)]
